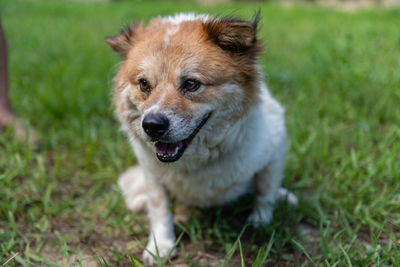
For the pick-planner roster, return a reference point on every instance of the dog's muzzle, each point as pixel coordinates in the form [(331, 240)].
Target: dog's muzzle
[(157, 125)]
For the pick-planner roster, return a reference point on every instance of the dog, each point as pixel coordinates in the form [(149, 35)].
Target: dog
[(205, 130)]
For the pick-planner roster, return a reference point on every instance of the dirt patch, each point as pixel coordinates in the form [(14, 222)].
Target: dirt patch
[(85, 257)]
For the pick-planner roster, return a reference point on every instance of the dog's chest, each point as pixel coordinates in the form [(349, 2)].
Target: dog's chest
[(225, 178), (213, 185), (207, 176)]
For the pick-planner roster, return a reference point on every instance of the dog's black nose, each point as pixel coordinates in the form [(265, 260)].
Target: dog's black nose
[(155, 125)]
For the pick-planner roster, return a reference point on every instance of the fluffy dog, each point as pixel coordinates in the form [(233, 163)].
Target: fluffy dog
[(203, 125)]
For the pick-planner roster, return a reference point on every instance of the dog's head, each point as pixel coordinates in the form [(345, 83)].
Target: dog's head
[(181, 73)]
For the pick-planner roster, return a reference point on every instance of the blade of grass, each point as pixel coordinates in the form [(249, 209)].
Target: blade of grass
[(300, 246)]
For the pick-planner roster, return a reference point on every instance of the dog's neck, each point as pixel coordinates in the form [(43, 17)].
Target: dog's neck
[(217, 144)]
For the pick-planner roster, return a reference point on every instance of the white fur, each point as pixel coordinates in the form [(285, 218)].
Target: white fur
[(224, 164), (171, 31), (285, 194), (181, 17), (224, 161), (133, 187)]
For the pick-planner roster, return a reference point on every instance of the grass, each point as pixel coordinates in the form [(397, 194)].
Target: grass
[(338, 74)]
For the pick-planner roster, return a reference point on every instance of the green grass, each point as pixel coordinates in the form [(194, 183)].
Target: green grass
[(338, 74)]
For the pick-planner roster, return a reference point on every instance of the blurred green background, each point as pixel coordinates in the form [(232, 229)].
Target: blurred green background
[(336, 71)]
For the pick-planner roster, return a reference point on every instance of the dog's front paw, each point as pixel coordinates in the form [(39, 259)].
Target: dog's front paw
[(136, 203), (133, 188), (159, 250), (260, 217)]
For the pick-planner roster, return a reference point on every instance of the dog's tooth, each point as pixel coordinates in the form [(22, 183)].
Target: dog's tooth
[(166, 154)]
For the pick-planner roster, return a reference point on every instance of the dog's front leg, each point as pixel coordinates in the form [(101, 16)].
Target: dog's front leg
[(268, 190), (267, 184), (162, 236)]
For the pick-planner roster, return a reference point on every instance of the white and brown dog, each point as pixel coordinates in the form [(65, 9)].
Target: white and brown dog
[(204, 128)]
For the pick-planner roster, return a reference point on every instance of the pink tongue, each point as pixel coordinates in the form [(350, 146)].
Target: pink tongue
[(167, 148)]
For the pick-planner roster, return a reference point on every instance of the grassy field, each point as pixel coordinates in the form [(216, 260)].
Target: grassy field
[(338, 74)]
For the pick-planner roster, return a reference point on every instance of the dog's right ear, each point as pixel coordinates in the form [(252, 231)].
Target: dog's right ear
[(122, 42)]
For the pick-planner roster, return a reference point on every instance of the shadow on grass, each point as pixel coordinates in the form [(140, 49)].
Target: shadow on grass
[(211, 235)]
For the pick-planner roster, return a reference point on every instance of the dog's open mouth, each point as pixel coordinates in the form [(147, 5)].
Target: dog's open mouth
[(170, 152)]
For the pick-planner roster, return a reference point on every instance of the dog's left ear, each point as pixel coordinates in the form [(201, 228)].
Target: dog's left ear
[(122, 42), (237, 36)]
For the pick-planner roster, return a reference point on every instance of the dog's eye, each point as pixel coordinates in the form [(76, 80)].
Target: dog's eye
[(191, 85), (144, 85)]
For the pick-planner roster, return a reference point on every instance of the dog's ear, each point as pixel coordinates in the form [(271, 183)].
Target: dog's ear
[(234, 35), (123, 41)]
